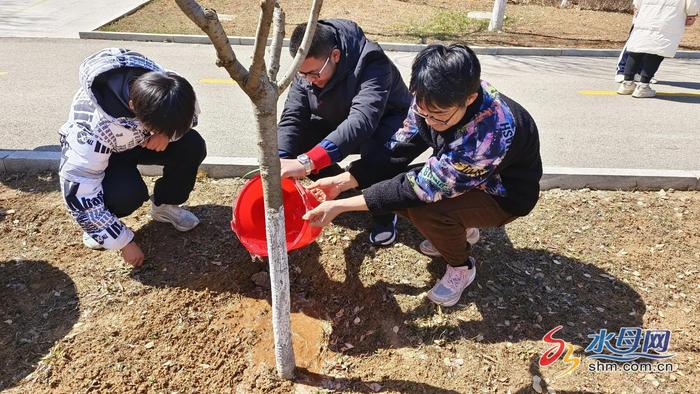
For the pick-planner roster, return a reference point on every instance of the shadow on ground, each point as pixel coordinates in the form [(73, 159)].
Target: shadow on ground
[(39, 306), (520, 293), (681, 84)]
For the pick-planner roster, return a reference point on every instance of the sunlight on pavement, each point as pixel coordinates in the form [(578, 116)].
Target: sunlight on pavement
[(3, 73), (218, 81), (614, 93)]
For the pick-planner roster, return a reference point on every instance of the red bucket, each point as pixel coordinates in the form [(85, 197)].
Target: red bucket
[(248, 220)]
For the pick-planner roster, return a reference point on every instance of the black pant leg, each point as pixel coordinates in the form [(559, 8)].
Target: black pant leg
[(634, 64), (332, 170), (294, 145), (124, 189), (180, 161), (650, 65)]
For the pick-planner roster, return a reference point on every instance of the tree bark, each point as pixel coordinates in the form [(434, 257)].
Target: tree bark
[(264, 93), (303, 48), (263, 31), (266, 120), (208, 21), (278, 19)]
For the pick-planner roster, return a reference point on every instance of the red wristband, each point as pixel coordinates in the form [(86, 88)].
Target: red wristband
[(319, 157)]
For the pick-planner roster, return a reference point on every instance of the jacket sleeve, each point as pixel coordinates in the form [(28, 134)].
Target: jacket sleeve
[(469, 163), (366, 109), (295, 119), (400, 150), (83, 162), (692, 7)]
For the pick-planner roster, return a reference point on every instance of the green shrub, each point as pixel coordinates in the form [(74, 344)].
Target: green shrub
[(446, 25)]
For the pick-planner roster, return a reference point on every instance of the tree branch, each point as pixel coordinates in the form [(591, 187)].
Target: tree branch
[(208, 21), (303, 49), (277, 40), (258, 66)]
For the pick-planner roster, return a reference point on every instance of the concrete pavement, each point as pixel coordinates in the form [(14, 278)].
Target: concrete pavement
[(582, 122), (59, 18)]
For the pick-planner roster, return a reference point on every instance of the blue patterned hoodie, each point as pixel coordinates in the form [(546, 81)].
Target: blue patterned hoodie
[(494, 148)]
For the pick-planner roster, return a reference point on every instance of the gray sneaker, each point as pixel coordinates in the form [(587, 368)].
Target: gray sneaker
[(90, 242), (448, 290), (180, 218), (626, 87), (643, 91), (426, 247)]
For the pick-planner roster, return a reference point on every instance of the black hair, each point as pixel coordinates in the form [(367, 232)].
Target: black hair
[(321, 45), (163, 101), (444, 76)]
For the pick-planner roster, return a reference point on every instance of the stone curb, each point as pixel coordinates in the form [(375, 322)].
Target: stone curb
[(553, 178), (388, 46)]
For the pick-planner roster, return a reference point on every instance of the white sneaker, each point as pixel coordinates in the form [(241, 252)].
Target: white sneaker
[(426, 247), (90, 242), (619, 78), (448, 290), (626, 87), (653, 80), (643, 91), (180, 218)]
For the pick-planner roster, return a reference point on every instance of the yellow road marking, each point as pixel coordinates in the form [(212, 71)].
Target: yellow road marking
[(218, 81), (613, 93)]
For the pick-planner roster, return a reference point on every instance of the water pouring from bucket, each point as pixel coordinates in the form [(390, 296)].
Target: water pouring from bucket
[(248, 220)]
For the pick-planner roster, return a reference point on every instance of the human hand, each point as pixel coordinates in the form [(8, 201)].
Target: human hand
[(325, 189), (292, 168), (132, 254), (156, 142), (689, 20), (323, 214)]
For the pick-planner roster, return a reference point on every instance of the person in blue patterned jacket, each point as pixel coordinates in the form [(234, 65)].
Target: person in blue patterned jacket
[(484, 171)]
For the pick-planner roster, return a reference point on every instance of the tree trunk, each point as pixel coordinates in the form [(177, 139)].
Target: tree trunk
[(265, 110), (264, 91), (499, 10)]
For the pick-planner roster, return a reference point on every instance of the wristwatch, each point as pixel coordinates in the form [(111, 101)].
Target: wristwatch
[(306, 162)]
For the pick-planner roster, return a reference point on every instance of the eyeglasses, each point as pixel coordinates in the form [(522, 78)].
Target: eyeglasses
[(315, 74), (432, 118)]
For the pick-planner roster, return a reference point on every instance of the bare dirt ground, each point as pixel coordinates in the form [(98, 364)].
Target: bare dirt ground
[(193, 320), (416, 21)]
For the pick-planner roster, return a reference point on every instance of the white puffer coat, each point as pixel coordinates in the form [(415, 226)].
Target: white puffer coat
[(659, 25)]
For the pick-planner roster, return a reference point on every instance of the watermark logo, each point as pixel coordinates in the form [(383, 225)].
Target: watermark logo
[(553, 353), (613, 351), (629, 341)]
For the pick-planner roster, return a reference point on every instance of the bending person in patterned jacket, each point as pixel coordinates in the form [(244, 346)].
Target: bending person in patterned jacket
[(484, 171), (128, 111)]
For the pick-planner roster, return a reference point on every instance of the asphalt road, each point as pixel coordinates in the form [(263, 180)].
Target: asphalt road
[(582, 122)]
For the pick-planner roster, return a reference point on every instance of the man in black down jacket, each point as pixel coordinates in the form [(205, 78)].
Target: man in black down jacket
[(348, 98)]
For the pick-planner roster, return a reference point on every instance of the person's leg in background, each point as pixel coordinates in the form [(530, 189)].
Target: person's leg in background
[(180, 161), (633, 66), (621, 62), (444, 224), (649, 67), (383, 232)]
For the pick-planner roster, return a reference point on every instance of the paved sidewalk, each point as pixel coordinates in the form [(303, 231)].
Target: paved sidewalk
[(59, 18), (583, 123)]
